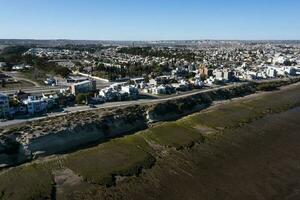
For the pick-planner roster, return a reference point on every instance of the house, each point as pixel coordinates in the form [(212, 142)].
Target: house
[(137, 81), (159, 80), (219, 75), (183, 85), (271, 72), (131, 90), (83, 87), (118, 86), (159, 90), (4, 106), (228, 75), (109, 94), (35, 105), (153, 82)]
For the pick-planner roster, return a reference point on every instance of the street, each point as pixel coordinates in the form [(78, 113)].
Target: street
[(76, 109)]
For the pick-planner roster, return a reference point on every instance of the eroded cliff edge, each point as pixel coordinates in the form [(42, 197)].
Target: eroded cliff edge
[(78, 130)]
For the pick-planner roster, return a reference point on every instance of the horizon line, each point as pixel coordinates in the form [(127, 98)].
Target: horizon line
[(119, 40)]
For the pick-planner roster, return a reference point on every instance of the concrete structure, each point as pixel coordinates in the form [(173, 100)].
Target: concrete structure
[(83, 87)]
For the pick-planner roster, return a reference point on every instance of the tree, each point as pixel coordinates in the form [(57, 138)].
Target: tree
[(80, 98)]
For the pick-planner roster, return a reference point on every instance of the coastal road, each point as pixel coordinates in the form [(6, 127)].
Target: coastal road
[(76, 109)]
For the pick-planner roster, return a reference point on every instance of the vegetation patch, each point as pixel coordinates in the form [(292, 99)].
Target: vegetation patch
[(119, 157), (172, 135), (236, 114), (32, 181)]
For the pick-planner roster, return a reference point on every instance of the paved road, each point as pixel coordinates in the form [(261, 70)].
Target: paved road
[(16, 75), (124, 103), (113, 105)]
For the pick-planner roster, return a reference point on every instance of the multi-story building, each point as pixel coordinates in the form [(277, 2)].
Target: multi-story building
[(35, 105), (131, 90), (83, 87), (4, 106), (271, 72)]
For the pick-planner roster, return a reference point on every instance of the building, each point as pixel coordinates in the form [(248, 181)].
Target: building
[(131, 90), (204, 71), (159, 90), (4, 106), (35, 105), (290, 70), (109, 94), (228, 75), (224, 75), (2, 64), (76, 79), (219, 75), (137, 81), (83, 87), (153, 82), (271, 72)]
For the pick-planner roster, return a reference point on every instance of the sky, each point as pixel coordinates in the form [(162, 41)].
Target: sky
[(150, 19)]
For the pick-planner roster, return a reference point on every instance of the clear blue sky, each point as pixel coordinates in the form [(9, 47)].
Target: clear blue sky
[(150, 19)]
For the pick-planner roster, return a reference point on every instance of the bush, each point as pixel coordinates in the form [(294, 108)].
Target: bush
[(82, 98)]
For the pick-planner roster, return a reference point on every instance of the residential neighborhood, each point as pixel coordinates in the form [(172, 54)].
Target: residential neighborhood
[(134, 72)]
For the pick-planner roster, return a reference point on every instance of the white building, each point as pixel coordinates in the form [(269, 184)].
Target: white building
[(271, 72), (35, 105), (159, 90), (130, 89), (4, 106), (219, 75), (109, 93)]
